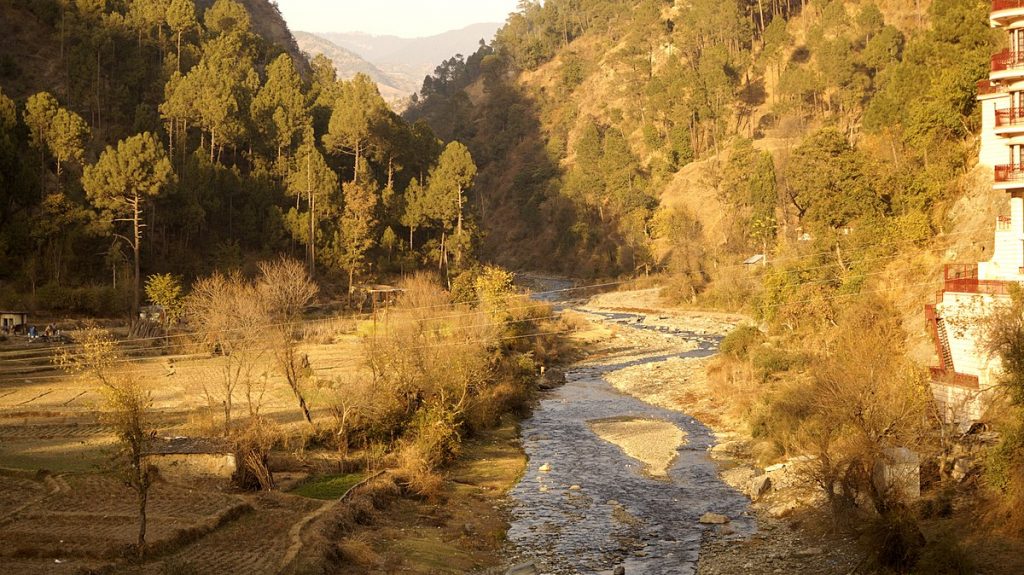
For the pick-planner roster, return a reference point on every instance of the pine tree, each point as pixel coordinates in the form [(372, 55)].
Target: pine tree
[(311, 178), (181, 17), (357, 112), (123, 182), (449, 180), (356, 233), (279, 108)]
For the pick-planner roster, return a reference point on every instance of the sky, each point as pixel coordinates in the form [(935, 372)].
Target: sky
[(405, 18)]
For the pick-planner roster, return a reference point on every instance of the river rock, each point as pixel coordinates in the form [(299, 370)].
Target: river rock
[(713, 519), (545, 468), (759, 486), (528, 568), (620, 570), (551, 379)]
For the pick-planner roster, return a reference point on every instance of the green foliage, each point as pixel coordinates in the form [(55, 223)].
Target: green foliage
[(829, 183), (739, 342), (279, 108), (165, 290), (127, 176), (328, 487), (226, 17)]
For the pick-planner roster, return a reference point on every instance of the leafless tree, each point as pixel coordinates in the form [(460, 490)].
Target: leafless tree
[(126, 409)]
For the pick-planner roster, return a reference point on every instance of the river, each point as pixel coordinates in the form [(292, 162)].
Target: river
[(591, 507)]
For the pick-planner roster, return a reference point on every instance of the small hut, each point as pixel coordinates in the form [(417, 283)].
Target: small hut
[(11, 321)]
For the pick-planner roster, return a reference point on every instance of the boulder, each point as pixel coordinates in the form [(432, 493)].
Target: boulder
[(528, 568), (962, 468), (713, 519), (759, 486), (551, 379)]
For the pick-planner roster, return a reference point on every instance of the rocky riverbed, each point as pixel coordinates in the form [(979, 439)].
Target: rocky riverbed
[(622, 474)]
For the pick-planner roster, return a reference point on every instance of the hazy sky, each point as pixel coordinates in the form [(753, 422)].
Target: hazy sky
[(406, 18)]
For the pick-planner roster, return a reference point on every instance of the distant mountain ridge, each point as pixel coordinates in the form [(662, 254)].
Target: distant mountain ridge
[(348, 64), (405, 61)]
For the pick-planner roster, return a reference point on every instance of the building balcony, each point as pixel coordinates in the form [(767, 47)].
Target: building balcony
[(1009, 121), (1006, 11), (1004, 224), (988, 88), (946, 377), (1007, 65), (1009, 177), (963, 278)]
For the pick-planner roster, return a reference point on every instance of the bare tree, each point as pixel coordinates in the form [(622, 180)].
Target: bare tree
[(285, 291), (127, 405), (229, 320)]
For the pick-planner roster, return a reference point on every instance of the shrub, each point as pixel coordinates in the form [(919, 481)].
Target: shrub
[(946, 555), (898, 540), (740, 341), (97, 301), (769, 361)]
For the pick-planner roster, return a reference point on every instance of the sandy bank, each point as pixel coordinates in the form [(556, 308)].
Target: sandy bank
[(652, 442)]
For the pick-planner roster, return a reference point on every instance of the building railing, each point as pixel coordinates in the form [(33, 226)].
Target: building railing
[(1004, 223), (940, 375), (987, 87), (963, 278), (1009, 173), (998, 5), (1009, 117), (1007, 60)]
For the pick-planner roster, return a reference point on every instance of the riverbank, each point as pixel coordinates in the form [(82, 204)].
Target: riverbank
[(461, 530), (792, 536)]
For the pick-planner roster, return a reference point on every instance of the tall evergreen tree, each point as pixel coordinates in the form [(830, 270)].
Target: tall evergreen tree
[(122, 183)]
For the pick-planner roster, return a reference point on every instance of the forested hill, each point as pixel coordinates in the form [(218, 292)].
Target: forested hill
[(622, 137), (142, 137)]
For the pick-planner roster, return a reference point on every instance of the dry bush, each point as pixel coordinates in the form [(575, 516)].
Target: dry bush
[(252, 448), (127, 410), (284, 291), (431, 354), (864, 397), (734, 387), (359, 552), (573, 321), (732, 288), (328, 330), (417, 472)]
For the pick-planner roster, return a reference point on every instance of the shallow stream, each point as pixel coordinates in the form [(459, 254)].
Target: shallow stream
[(594, 508)]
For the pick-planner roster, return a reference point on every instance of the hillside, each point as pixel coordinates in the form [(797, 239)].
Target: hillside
[(837, 139), (348, 64)]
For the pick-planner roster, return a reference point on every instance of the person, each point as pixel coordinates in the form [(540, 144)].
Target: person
[(32, 332)]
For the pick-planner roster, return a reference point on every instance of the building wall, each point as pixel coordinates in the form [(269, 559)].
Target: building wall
[(958, 403), (994, 151), (964, 314), (1007, 259), (185, 467)]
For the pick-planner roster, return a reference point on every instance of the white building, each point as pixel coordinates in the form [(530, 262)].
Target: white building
[(966, 374)]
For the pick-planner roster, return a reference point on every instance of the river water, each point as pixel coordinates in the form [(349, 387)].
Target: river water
[(595, 508)]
